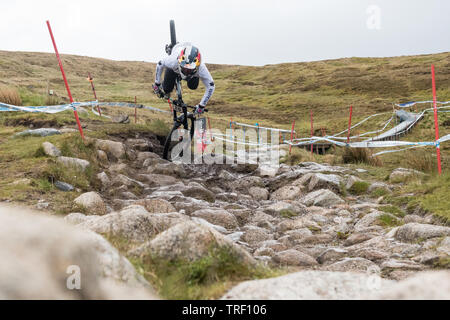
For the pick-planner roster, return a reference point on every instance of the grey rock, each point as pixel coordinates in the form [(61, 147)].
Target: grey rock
[(357, 238), (218, 217), (416, 231), (189, 241), (354, 265), (133, 223), (42, 132), (432, 285), (322, 198), (74, 162), (104, 179), (258, 193), (309, 285), (331, 255), (122, 118), (103, 158), (157, 205), (400, 174), (325, 181), (351, 181), (64, 186), (255, 235), (286, 193), (157, 180), (113, 148), (200, 193), (51, 150), (92, 202), (294, 258), (57, 248)]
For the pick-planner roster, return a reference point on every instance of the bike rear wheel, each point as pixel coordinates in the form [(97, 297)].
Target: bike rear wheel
[(173, 34)]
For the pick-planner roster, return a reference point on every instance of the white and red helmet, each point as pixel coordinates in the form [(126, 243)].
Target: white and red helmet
[(189, 61)]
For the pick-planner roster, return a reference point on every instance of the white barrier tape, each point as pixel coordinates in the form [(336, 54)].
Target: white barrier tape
[(413, 103), (360, 123), (393, 151), (45, 109), (373, 144), (60, 108), (262, 128), (239, 142)]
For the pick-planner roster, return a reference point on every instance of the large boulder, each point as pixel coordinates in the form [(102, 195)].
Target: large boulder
[(432, 285), (416, 231), (133, 223), (113, 148), (368, 220), (42, 255), (325, 181), (258, 193), (157, 205), (189, 241), (199, 192), (322, 198), (294, 258), (286, 193), (254, 235), (309, 285), (218, 217), (91, 202)]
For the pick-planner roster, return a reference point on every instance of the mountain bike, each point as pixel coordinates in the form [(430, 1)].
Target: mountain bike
[(175, 137)]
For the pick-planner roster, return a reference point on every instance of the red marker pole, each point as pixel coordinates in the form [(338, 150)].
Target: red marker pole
[(436, 123), (349, 124), (292, 137), (91, 80), (65, 79), (312, 132), (135, 109)]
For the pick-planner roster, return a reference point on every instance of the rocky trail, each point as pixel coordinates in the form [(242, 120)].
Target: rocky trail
[(331, 243)]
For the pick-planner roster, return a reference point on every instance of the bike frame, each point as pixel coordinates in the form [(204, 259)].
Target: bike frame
[(183, 119)]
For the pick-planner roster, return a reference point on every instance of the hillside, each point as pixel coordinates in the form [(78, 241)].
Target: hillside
[(272, 95), (185, 231)]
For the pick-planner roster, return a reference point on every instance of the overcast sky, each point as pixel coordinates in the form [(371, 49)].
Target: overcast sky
[(249, 32)]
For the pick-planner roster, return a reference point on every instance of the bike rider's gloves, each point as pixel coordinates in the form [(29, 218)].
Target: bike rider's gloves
[(157, 89), (199, 109)]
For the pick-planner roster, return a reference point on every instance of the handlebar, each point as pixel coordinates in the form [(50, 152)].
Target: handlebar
[(178, 104)]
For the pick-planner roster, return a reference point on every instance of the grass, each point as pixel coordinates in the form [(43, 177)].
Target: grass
[(286, 213), (387, 220), (359, 187), (393, 210), (379, 192), (206, 278), (360, 155), (10, 96), (24, 157), (432, 195)]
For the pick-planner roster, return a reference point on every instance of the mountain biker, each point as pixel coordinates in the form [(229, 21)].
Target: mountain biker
[(185, 60)]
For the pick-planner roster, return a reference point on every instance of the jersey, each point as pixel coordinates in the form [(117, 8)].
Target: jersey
[(171, 62)]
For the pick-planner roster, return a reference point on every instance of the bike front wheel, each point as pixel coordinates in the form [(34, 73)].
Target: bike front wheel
[(178, 144)]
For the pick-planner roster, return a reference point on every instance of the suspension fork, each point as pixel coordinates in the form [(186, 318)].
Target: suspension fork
[(180, 101)]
